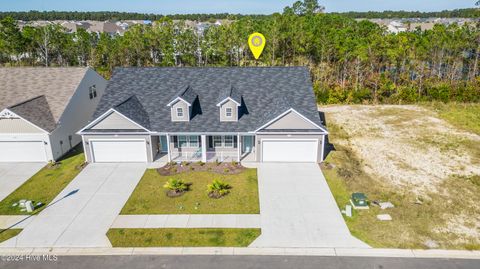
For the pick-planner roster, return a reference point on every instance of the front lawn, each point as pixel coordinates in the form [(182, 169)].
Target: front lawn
[(7, 234), (45, 185), (149, 196), (173, 237)]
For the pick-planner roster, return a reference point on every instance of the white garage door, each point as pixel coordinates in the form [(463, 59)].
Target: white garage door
[(22, 151), (289, 150), (118, 151)]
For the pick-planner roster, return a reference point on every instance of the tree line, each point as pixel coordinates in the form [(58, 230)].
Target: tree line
[(350, 61), (34, 15)]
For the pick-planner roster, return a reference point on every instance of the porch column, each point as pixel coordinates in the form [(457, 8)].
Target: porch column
[(239, 147), (204, 148), (169, 157)]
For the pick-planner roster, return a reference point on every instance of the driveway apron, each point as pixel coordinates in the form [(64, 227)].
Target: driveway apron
[(298, 210), (83, 212), (13, 175)]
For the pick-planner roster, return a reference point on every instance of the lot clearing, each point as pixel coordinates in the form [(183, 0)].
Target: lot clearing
[(423, 159)]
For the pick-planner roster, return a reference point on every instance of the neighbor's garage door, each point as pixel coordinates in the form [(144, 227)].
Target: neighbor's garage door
[(289, 150), (22, 151), (114, 151)]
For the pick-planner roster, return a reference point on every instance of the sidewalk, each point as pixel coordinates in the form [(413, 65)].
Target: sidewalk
[(15, 221), (187, 221), (340, 252)]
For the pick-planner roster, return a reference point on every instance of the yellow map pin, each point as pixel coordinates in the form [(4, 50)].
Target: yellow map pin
[(256, 42)]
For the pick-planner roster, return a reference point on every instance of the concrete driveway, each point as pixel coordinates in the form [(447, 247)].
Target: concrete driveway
[(13, 175), (82, 218), (298, 210)]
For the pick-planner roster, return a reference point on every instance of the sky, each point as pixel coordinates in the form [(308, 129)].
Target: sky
[(226, 6)]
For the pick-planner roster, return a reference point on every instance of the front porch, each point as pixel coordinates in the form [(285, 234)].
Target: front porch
[(206, 148)]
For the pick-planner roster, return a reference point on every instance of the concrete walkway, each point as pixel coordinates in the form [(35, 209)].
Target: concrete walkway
[(298, 210), (83, 212), (13, 175), (187, 221)]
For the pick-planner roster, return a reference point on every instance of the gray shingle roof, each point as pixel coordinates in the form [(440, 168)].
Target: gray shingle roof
[(267, 92), (37, 111), (231, 92), (57, 85), (186, 93), (133, 109)]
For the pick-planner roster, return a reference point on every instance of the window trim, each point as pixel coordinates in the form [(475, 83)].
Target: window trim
[(225, 141), (228, 110), (215, 142), (180, 111)]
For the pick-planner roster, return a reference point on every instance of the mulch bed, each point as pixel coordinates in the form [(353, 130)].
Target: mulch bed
[(226, 168)]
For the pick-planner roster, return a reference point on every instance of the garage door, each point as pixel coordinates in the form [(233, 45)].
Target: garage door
[(115, 151), (22, 151), (289, 150)]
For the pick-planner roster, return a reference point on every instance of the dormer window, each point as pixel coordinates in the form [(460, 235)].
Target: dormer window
[(228, 112), (179, 112), (181, 105), (229, 103)]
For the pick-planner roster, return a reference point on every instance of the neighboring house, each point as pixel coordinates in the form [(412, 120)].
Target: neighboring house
[(206, 114), (41, 109)]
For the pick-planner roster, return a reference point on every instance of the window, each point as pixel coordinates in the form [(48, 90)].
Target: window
[(193, 141), (228, 112), (92, 92), (217, 141), (179, 112), (229, 141), (182, 141)]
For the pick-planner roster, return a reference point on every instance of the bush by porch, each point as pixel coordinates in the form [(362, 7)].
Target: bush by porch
[(149, 196)]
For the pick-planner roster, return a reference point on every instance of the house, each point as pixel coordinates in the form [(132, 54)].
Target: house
[(263, 114), (41, 109)]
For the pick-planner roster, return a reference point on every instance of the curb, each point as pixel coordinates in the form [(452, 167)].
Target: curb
[(332, 252)]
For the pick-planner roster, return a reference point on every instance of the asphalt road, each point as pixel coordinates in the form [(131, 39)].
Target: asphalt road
[(236, 262)]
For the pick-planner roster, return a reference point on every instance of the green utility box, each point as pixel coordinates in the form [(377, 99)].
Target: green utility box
[(359, 200)]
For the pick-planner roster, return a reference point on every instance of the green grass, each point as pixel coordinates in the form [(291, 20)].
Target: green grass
[(7, 234), (149, 196), (211, 237), (412, 224), (464, 116), (46, 184)]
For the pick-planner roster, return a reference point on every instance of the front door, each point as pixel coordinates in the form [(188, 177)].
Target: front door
[(163, 143), (247, 144)]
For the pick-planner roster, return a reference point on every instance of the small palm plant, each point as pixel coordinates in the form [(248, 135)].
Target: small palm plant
[(175, 187), (218, 189)]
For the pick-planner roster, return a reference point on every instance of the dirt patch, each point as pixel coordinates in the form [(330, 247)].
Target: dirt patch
[(226, 168), (426, 167), (406, 145)]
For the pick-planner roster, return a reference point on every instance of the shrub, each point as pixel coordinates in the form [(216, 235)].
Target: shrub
[(218, 189), (175, 187)]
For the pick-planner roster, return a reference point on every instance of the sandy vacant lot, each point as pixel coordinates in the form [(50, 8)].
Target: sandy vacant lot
[(406, 145), (413, 152)]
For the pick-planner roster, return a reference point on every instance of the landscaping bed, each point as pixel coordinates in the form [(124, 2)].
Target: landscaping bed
[(225, 168), (173, 237), (150, 196), (46, 184)]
